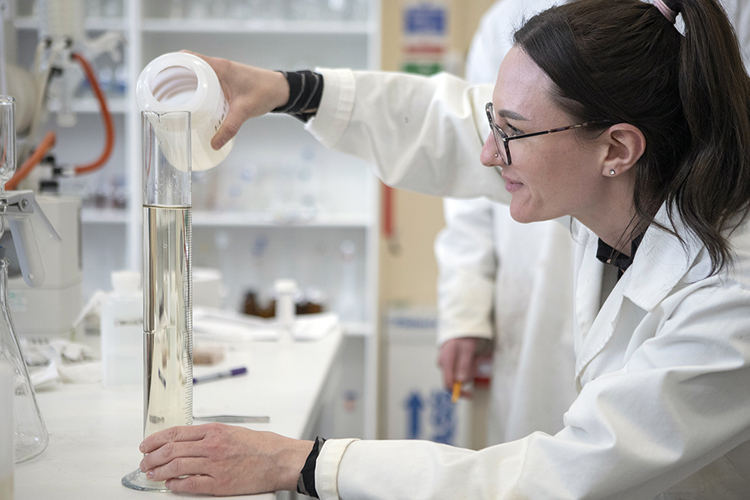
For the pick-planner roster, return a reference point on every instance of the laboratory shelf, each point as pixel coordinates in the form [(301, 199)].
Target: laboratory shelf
[(90, 215), (91, 23), (237, 26), (264, 219), (90, 105), (236, 219)]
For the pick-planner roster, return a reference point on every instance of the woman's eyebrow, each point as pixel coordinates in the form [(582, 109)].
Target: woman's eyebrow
[(504, 113)]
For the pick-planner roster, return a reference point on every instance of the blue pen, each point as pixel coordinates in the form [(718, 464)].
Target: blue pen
[(218, 376)]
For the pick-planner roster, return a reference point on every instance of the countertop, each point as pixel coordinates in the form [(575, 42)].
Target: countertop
[(95, 432)]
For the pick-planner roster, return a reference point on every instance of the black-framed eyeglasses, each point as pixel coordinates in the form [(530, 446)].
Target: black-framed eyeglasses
[(503, 138)]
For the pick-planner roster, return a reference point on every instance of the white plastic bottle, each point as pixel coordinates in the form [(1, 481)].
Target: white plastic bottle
[(122, 331), (179, 81)]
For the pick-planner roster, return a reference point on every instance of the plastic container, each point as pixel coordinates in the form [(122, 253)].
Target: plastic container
[(6, 431), (183, 82), (122, 331), (208, 289), (285, 307)]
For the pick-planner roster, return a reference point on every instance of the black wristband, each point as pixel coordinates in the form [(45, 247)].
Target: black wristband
[(305, 93), (306, 480)]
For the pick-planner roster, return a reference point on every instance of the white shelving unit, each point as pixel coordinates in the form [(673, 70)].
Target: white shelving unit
[(241, 232), (91, 24), (240, 26)]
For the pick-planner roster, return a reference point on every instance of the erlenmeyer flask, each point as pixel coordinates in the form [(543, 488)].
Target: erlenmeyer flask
[(30, 434)]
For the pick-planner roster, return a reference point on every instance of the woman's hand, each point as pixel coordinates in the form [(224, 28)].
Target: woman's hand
[(250, 92), (458, 359), (220, 459)]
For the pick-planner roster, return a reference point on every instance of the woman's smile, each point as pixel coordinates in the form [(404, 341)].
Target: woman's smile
[(512, 185)]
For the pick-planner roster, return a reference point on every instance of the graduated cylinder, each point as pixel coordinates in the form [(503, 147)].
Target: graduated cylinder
[(167, 280), (167, 273)]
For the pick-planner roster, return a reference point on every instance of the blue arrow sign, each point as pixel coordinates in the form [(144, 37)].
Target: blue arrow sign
[(414, 406)]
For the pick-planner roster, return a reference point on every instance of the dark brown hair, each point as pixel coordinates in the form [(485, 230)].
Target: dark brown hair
[(689, 95)]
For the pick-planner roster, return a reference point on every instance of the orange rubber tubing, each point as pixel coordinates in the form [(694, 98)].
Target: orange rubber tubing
[(39, 153), (106, 117), (49, 139)]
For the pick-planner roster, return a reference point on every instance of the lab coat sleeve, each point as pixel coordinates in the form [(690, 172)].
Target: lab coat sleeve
[(738, 12), (679, 403), (465, 253), (327, 466), (488, 46), (420, 134)]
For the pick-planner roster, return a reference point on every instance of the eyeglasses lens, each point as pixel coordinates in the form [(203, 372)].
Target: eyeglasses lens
[(499, 144), (496, 134)]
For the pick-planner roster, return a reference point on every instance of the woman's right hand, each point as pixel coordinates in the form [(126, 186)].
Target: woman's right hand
[(218, 459), (250, 92)]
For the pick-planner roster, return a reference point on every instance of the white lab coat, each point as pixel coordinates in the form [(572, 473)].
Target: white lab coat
[(512, 283), (507, 281), (662, 367), (503, 280)]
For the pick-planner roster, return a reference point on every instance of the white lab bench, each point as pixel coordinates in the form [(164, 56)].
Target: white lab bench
[(95, 432)]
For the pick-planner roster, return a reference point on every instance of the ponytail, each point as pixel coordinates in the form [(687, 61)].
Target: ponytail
[(712, 184)]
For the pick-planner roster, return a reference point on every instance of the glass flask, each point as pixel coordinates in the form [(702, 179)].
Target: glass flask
[(30, 434), (167, 279)]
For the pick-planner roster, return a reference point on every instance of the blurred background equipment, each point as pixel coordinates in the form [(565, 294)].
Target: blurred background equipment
[(60, 66), (21, 215)]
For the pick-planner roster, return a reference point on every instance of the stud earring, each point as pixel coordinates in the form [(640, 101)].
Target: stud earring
[(495, 155), (612, 172)]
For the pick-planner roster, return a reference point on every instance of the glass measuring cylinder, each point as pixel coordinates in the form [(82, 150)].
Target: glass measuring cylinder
[(167, 279)]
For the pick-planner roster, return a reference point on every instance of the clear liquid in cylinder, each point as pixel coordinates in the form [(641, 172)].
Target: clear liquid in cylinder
[(168, 313)]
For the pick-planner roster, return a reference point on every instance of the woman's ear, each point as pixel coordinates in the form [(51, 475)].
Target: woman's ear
[(626, 145)]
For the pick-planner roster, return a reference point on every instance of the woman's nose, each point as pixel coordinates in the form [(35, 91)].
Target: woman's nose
[(490, 156)]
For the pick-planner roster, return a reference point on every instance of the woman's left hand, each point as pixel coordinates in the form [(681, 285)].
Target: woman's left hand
[(218, 459)]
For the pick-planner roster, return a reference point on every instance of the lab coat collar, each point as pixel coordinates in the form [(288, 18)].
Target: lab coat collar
[(661, 261), (659, 265)]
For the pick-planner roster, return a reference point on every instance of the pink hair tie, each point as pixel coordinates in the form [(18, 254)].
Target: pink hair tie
[(666, 11)]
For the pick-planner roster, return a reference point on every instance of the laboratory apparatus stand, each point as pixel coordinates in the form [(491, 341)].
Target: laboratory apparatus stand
[(167, 279), (30, 434)]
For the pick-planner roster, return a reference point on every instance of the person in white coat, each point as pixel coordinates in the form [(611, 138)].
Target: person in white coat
[(506, 282), (603, 112), (501, 280)]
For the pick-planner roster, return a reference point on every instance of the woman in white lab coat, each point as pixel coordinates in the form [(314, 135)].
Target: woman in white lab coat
[(649, 150), (504, 281)]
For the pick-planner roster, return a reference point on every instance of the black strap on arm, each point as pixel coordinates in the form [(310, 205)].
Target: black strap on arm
[(305, 92), (306, 480)]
